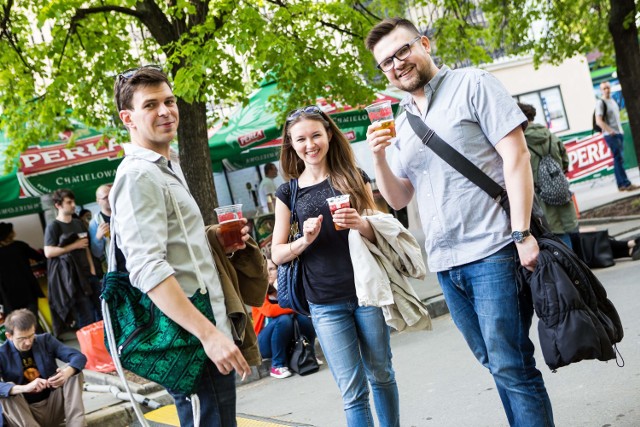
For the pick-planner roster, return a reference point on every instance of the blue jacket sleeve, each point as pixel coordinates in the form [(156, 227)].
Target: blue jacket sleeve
[(65, 353)]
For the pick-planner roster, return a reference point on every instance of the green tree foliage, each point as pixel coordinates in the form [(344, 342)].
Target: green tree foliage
[(60, 59), (550, 30)]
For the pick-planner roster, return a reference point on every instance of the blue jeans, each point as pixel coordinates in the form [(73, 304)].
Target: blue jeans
[(276, 338), (616, 145), (494, 316), (355, 342), (217, 394)]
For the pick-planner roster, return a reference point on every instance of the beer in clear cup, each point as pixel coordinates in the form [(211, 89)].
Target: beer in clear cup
[(230, 220), (382, 113), (338, 202)]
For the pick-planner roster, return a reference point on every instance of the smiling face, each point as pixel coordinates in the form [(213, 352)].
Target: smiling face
[(310, 140), (415, 71), (153, 119)]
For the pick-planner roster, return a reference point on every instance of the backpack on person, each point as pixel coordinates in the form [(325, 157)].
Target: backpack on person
[(597, 128), (552, 186)]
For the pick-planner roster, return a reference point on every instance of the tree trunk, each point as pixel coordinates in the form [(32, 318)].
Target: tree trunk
[(625, 42), (195, 159)]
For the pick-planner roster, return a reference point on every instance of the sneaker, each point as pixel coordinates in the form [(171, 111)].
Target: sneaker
[(635, 251), (630, 187), (282, 372)]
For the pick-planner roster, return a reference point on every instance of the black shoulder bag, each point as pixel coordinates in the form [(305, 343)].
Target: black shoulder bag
[(430, 139)]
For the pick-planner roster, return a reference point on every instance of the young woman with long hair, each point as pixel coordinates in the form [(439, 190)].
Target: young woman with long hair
[(354, 339)]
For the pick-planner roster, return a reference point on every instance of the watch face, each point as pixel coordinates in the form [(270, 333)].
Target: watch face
[(517, 236)]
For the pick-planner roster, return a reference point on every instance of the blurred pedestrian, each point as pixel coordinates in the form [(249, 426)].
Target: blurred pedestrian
[(69, 268), (85, 216), (267, 188), (562, 219), (609, 122), (99, 227), (354, 339), (19, 288)]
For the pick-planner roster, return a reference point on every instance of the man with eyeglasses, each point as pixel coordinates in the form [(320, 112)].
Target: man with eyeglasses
[(148, 231), (33, 390), (470, 241), (99, 227)]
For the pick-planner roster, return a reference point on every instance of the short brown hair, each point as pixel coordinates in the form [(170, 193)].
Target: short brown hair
[(126, 86), (385, 27), (59, 195), (528, 110), (21, 320)]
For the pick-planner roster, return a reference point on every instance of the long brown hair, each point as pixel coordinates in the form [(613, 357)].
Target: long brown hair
[(343, 170)]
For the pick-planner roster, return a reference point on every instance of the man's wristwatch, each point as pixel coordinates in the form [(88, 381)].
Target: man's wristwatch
[(519, 236)]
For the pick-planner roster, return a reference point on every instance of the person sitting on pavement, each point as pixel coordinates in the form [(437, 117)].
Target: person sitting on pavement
[(274, 328), (33, 390)]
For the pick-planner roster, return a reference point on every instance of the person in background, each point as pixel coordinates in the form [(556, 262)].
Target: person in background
[(34, 391), (613, 135), (472, 244), (354, 339), (267, 188), (85, 216), (274, 327), (99, 228), (19, 288), (70, 267), (563, 219)]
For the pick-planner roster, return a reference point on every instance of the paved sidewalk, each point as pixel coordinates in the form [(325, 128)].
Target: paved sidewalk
[(105, 409)]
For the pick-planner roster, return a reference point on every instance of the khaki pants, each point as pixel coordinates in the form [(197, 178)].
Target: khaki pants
[(63, 403)]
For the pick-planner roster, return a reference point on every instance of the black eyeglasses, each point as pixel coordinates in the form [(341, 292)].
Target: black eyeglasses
[(401, 54), (311, 109)]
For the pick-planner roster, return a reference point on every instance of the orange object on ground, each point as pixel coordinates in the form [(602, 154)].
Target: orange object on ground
[(575, 204), (91, 339)]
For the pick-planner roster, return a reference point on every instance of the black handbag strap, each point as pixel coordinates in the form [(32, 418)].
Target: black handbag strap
[(457, 161), (293, 187)]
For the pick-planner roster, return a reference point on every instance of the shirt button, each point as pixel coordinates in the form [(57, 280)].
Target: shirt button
[(424, 172), (420, 149), (434, 218)]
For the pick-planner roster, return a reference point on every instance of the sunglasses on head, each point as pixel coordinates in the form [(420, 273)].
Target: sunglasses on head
[(127, 74), (311, 109)]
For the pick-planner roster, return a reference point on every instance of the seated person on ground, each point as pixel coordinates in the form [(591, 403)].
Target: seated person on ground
[(33, 390), (274, 328)]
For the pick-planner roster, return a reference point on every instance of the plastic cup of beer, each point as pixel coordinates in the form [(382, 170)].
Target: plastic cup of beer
[(230, 220), (382, 113), (338, 202)]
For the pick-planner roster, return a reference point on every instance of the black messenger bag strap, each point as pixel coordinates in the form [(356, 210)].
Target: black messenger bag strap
[(457, 161)]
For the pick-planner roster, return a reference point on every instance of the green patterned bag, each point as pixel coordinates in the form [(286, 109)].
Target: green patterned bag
[(142, 339), (150, 344)]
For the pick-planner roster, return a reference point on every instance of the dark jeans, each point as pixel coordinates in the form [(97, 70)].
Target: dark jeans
[(276, 338), (616, 145), (217, 394)]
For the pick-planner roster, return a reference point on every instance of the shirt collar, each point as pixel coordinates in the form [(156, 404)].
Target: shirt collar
[(429, 89), (148, 155)]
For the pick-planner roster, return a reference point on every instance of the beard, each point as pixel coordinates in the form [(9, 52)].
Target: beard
[(419, 80)]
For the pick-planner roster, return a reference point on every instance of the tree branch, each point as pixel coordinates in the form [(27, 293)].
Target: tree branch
[(83, 13), (337, 28), (4, 30)]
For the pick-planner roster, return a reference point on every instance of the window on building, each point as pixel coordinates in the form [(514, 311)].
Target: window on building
[(549, 107)]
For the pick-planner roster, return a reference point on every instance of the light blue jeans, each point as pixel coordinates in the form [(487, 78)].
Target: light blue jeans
[(355, 342), (494, 316)]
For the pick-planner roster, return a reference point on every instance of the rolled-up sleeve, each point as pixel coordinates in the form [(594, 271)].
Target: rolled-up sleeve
[(141, 228)]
